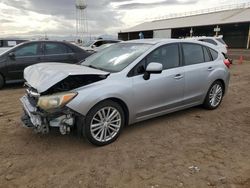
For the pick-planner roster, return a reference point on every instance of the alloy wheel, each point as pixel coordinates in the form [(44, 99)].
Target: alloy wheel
[(215, 95), (105, 124)]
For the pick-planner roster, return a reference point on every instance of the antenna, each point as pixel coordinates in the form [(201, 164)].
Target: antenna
[(81, 20)]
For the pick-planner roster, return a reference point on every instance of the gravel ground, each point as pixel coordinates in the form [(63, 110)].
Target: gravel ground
[(191, 148)]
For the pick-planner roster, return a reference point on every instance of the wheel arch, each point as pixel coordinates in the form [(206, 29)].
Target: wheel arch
[(122, 104), (223, 84)]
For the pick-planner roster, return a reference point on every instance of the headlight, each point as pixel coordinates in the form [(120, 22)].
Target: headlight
[(55, 101)]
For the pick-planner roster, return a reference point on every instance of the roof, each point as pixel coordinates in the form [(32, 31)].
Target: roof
[(157, 41), (215, 18), (152, 41)]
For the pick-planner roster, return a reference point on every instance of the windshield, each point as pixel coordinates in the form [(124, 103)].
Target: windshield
[(87, 44), (116, 57)]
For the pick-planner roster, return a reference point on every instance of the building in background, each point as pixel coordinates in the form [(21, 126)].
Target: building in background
[(232, 21)]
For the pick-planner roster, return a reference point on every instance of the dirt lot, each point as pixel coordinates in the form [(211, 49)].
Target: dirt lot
[(154, 153)]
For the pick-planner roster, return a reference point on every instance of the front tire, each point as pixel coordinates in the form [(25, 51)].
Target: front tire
[(104, 123), (214, 96)]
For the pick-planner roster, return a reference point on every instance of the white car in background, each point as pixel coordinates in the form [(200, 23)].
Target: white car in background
[(218, 42), (93, 45)]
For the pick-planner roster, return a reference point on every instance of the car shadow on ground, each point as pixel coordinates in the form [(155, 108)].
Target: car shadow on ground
[(74, 140), (16, 85)]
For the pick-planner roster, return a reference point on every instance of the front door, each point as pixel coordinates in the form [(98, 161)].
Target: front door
[(162, 92), (23, 57)]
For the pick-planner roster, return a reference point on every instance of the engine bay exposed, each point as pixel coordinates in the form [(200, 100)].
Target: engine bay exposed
[(73, 82)]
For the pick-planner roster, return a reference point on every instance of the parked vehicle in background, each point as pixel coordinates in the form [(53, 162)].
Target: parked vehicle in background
[(126, 83), (95, 44), (15, 60), (218, 42), (102, 47), (6, 44)]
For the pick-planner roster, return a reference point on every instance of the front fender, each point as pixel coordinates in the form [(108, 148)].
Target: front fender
[(88, 97)]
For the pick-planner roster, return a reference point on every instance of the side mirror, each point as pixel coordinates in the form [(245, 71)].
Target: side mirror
[(93, 46), (152, 68), (11, 55)]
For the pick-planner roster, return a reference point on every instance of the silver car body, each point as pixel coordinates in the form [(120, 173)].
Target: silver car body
[(172, 90)]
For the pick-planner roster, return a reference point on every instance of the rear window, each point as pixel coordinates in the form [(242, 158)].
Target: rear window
[(213, 53), (221, 41)]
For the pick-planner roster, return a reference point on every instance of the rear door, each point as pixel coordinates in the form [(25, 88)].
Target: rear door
[(198, 67), (58, 52), (162, 92), (24, 56)]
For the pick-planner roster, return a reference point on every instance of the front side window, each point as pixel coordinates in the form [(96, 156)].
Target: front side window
[(27, 50), (167, 55), (116, 57), (55, 48), (193, 54)]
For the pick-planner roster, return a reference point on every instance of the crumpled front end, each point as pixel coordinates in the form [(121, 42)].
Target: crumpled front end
[(50, 88), (40, 120)]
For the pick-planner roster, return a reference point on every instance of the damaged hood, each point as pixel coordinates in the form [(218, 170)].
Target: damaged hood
[(45, 75)]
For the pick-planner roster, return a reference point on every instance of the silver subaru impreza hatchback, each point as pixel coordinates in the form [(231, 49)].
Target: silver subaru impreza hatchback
[(121, 85)]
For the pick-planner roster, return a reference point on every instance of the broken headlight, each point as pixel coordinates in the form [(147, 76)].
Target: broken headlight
[(55, 101)]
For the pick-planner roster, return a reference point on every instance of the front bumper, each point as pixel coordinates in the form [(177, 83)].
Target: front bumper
[(41, 121)]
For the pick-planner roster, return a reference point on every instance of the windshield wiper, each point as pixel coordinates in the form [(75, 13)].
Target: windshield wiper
[(94, 67)]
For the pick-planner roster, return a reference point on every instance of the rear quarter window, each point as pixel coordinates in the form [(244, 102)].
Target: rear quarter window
[(214, 54)]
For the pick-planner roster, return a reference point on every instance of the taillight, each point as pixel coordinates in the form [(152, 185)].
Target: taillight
[(227, 63)]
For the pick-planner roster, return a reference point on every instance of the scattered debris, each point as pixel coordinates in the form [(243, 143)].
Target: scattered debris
[(180, 184), (222, 180), (9, 164), (9, 177), (194, 169), (198, 116)]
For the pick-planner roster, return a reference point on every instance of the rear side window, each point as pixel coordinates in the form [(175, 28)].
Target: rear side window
[(209, 41), (193, 54), (213, 53), (55, 48), (167, 55)]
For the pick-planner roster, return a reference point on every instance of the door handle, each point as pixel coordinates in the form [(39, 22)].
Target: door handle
[(210, 69), (178, 76)]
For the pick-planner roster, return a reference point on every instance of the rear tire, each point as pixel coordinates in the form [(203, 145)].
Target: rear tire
[(104, 123), (214, 96), (2, 82)]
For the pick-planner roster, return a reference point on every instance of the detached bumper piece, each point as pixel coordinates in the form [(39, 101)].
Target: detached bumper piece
[(41, 122)]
